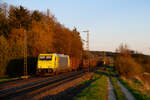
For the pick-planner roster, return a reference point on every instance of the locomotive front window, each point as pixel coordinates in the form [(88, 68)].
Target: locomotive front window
[(48, 57), (42, 57)]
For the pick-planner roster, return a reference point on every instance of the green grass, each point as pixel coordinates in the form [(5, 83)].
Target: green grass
[(119, 94), (97, 90), (134, 88)]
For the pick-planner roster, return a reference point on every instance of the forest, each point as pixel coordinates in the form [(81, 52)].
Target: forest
[(44, 35)]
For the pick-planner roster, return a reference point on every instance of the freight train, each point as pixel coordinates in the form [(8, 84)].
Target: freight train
[(56, 63), (50, 63)]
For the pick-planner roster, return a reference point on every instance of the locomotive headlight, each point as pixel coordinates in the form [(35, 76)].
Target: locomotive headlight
[(40, 66)]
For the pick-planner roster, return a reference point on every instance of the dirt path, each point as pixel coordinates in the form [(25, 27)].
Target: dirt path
[(126, 92), (111, 94)]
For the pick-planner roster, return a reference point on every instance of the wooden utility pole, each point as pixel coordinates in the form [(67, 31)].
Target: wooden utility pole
[(25, 56)]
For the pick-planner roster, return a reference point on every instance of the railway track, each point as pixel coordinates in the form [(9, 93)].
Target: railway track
[(22, 90), (18, 82), (23, 81)]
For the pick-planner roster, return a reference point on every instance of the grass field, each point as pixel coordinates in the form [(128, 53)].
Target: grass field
[(136, 88), (97, 90)]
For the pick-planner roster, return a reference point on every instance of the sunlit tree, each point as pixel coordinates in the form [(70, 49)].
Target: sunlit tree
[(36, 15), (16, 41), (19, 17), (4, 54), (39, 38), (4, 26)]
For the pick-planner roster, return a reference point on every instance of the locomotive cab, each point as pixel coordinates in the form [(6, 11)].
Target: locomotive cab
[(46, 63)]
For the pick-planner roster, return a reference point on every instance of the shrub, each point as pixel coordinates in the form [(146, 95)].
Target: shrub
[(125, 65)]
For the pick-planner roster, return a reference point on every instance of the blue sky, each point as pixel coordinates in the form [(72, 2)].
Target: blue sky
[(110, 22)]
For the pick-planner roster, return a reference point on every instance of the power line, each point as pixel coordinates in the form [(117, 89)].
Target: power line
[(48, 13), (87, 39), (87, 48)]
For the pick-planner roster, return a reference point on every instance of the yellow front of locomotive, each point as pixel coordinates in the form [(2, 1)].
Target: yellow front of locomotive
[(46, 63)]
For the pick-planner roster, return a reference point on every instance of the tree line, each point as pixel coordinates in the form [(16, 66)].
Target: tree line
[(44, 35)]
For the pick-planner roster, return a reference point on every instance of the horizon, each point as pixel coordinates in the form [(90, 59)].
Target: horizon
[(110, 22)]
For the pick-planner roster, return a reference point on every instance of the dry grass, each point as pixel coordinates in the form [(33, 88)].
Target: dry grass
[(138, 86), (146, 77)]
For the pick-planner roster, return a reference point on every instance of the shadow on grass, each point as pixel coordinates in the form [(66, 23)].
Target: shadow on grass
[(102, 73), (72, 92), (108, 71)]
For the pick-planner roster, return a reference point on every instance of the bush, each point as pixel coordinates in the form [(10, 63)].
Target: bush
[(125, 65), (144, 61)]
